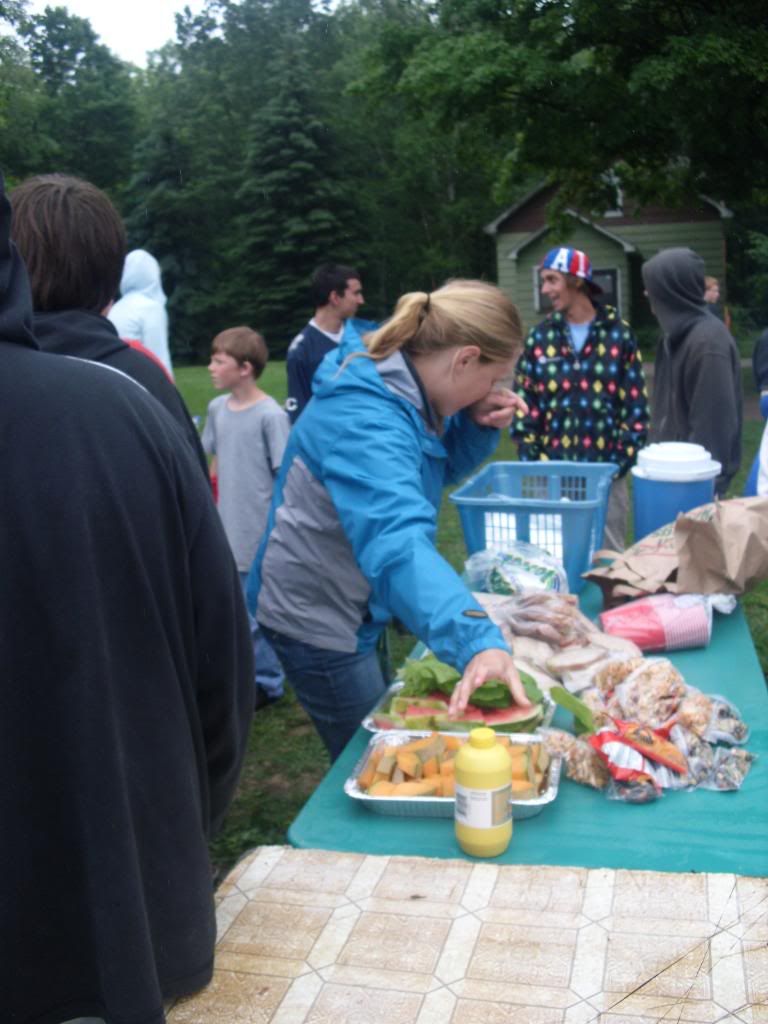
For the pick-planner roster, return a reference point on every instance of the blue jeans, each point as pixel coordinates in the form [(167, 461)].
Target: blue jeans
[(336, 690), (269, 674)]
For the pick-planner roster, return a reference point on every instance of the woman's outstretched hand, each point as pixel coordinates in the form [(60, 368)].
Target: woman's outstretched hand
[(493, 663), (498, 409)]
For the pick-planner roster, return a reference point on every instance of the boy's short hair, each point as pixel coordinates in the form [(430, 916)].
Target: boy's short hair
[(72, 240), (245, 345), (330, 277)]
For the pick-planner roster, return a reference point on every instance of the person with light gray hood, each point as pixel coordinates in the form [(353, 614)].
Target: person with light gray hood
[(140, 314), (697, 381)]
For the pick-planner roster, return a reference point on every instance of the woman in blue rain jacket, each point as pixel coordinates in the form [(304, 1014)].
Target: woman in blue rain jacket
[(351, 537)]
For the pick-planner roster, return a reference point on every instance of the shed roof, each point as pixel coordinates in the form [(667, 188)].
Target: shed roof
[(529, 239), (534, 205)]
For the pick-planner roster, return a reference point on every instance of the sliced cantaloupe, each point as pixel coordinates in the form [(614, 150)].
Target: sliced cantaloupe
[(409, 763), (522, 789), (381, 789), (449, 785), (367, 775), (387, 760), (430, 768), (434, 749), (418, 744), (423, 787)]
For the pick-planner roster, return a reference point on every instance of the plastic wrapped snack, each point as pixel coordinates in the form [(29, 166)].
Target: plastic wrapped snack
[(520, 566), (652, 693), (666, 622), (595, 701), (582, 763), (699, 754), (608, 675), (730, 768), (642, 761), (541, 615), (712, 717)]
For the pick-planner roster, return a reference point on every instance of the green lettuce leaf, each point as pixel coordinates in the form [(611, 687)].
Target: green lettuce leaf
[(425, 675)]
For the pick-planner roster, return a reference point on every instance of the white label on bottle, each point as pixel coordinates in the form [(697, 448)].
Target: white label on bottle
[(483, 808)]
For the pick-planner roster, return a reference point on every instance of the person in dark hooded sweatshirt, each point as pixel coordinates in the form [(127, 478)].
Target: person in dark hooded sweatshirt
[(73, 243), (127, 688), (697, 380)]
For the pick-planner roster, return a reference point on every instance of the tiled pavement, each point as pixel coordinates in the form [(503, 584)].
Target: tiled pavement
[(316, 937)]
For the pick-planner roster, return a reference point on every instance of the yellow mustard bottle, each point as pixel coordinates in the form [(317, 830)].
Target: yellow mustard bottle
[(483, 812)]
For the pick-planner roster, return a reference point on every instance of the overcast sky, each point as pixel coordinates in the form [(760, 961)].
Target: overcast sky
[(128, 27)]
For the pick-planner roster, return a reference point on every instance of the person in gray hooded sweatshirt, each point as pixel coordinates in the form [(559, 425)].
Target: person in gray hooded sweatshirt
[(697, 380)]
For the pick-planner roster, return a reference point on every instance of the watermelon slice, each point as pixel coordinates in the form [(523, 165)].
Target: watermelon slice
[(381, 720), (514, 719), (418, 720), (417, 705), (471, 719)]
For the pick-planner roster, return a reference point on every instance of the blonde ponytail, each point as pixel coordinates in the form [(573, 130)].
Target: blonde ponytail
[(461, 312)]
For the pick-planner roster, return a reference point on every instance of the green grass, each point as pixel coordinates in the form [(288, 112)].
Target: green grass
[(195, 385), (286, 759)]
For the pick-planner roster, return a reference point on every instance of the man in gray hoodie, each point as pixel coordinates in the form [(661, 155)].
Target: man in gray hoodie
[(697, 380)]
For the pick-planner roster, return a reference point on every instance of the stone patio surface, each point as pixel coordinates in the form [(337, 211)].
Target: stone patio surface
[(317, 937)]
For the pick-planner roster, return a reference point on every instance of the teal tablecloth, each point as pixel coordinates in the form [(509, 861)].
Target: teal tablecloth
[(683, 831)]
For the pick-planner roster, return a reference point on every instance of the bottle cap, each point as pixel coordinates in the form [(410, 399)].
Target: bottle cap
[(482, 737)]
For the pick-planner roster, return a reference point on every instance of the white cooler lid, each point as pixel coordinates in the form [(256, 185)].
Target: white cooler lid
[(676, 460)]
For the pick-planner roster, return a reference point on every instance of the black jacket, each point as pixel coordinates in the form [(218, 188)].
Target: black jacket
[(697, 395), (77, 332), (126, 688)]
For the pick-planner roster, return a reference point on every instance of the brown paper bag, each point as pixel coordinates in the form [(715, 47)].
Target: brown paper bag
[(726, 553), (721, 547)]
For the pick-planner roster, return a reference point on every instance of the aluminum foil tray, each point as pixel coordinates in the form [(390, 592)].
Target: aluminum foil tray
[(396, 687), (442, 806)]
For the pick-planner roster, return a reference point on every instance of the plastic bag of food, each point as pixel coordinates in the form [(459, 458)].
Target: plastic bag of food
[(667, 622), (519, 566), (582, 763), (651, 693), (699, 754), (712, 717), (641, 761), (730, 768), (541, 615)]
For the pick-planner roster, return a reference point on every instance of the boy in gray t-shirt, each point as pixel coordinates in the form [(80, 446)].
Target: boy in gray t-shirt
[(246, 432)]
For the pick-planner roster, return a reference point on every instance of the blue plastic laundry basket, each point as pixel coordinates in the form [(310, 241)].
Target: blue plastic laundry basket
[(558, 506)]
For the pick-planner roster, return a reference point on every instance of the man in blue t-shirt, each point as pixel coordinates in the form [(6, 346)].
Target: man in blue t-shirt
[(337, 295)]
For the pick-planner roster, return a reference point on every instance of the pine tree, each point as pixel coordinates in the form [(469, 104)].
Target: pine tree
[(295, 211)]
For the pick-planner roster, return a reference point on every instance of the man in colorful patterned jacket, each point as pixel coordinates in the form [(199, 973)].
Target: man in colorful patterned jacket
[(581, 375)]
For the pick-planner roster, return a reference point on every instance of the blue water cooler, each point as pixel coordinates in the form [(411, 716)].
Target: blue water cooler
[(670, 478)]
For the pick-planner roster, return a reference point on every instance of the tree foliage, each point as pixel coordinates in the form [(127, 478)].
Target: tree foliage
[(87, 108), (672, 98), (271, 135)]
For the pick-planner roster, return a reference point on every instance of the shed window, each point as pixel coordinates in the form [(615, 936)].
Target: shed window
[(607, 279)]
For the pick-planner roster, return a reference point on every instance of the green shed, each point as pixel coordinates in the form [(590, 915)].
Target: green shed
[(617, 244)]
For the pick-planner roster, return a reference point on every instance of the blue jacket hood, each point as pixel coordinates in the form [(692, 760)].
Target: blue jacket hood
[(347, 368)]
